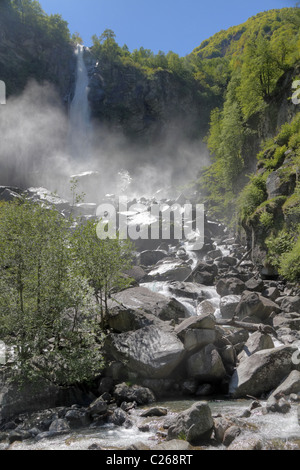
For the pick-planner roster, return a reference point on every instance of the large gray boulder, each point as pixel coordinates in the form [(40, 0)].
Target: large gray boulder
[(151, 352), (194, 425), (170, 269), (141, 299), (256, 342), (262, 372), (196, 339), (228, 304), (206, 365), (134, 393), (230, 286), (256, 306), (290, 385), (151, 257)]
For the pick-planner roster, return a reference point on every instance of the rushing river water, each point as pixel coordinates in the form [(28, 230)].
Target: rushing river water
[(273, 429)]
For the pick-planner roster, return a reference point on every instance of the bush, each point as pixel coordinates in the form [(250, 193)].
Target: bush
[(290, 263)]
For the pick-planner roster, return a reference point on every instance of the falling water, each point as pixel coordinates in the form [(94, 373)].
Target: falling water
[(80, 126)]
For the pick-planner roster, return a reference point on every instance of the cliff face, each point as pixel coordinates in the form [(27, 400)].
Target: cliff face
[(25, 54), (145, 107)]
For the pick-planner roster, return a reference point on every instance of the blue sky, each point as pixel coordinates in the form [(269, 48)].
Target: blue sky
[(177, 25)]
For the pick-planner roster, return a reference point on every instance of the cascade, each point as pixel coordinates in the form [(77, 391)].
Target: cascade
[(80, 125)]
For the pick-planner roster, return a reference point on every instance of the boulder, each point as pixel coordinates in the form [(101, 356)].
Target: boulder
[(194, 425), (287, 320), (255, 305), (230, 286), (59, 425), (291, 304), (228, 304), (170, 269), (255, 285), (261, 372), (206, 365), (256, 342), (98, 407), (290, 385), (197, 322), (77, 418), (151, 257), (190, 290), (155, 411), (151, 352), (134, 393), (173, 445), (271, 293), (141, 299), (230, 434), (205, 308), (195, 339)]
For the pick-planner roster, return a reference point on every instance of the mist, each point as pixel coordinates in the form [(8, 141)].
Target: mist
[(37, 150)]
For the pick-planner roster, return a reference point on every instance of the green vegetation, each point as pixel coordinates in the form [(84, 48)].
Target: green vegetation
[(50, 276)]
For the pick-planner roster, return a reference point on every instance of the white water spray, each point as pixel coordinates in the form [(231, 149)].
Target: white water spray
[(80, 125)]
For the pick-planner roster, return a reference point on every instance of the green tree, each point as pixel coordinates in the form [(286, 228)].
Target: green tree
[(45, 305), (103, 263)]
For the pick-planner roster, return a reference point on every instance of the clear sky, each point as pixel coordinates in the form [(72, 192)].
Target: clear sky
[(177, 25)]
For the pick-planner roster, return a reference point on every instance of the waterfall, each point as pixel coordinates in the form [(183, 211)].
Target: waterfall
[(80, 126)]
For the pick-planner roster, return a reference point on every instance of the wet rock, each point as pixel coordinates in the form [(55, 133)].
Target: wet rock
[(155, 411), (205, 308), (194, 425), (271, 293), (221, 424), (134, 393), (118, 418), (255, 305), (230, 286), (171, 270), (228, 304), (206, 365), (98, 407), (138, 446), (287, 320), (215, 253), (189, 290), (261, 372), (230, 434), (246, 443), (77, 418), (59, 425)]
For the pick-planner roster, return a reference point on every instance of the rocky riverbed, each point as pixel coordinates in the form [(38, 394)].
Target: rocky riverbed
[(204, 328)]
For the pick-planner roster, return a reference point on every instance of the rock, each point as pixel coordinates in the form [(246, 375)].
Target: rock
[(151, 257), (134, 393), (98, 407), (138, 446), (255, 305), (289, 386), (205, 390), (230, 434), (215, 253), (228, 304), (205, 308), (246, 443), (277, 185), (106, 385), (136, 272), (118, 418), (205, 322), (195, 339), (271, 293), (155, 411), (256, 342), (189, 290), (173, 445), (194, 425), (230, 260), (230, 286), (77, 418), (171, 269), (221, 424), (141, 299), (237, 336), (204, 273), (287, 320), (59, 425), (255, 285), (291, 304), (189, 387), (261, 372), (151, 352), (206, 365)]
